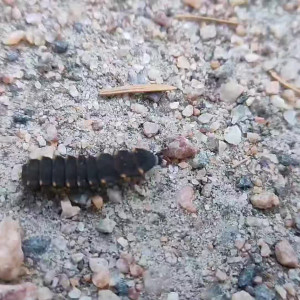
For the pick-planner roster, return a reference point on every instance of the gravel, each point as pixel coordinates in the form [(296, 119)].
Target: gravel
[(226, 136)]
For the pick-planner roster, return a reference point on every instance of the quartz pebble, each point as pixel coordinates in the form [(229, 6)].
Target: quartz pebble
[(242, 295), (281, 291), (62, 150), (139, 108), (208, 32), (173, 296), (185, 197), (290, 117), (286, 255), (14, 38), (265, 200), (289, 96), (97, 264), (69, 211), (279, 102), (183, 63), (150, 129), (221, 276), (11, 254), (230, 91), (74, 293), (233, 135), (265, 250), (44, 293), (107, 295), (252, 57), (122, 265), (180, 148), (51, 133), (101, 279), (73, 91), (188, 111), (205, 118)]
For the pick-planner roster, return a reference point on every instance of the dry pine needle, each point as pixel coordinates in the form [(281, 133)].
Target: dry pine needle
[(139, 88)]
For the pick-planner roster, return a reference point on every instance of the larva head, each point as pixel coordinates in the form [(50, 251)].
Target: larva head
[(145, 159)]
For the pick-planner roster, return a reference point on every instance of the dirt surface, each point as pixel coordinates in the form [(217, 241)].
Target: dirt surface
[(244, 127)]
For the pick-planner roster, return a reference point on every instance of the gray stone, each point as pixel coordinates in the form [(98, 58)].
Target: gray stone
[(233, 135), (246, 276), (106, 225), (240, 113), (230, 91), (261, 292)]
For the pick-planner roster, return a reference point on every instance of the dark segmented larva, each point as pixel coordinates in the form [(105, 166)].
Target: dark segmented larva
[(88, 172)]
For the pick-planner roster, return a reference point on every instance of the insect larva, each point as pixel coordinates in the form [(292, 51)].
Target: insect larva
[(88, 172)]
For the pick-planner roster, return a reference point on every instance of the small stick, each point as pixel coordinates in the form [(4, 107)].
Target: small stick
[(139, 88), (240, 162), (202, 18), (284, 82)]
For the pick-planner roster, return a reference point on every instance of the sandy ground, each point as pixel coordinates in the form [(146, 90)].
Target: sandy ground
[(243, 123)]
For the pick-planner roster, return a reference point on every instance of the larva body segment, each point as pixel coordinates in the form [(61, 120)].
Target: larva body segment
[(88, 172)]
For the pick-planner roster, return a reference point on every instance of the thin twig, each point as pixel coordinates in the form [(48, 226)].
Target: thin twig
[(284, 82), (238, 163), (208, 19), (139, 88)]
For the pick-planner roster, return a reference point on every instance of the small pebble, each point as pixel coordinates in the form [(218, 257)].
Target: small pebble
[(173, 296), (136, 270), (279, 102), (62, 150), (69, 211), (74, 293), (289, 96), (185, 197), (242, 295), (139, 108), (150, 129), (290, 117), (14, 38), (230, 91), (244, 183), (12, 56), (281, 291), (261, 292), (246, 276), (233, 135), (60, 47), (194, 4), (208, 32), (73, 91), (107, 295), (286, 255), (44, 293), (101, 279), (98, 264), (205, 118), (35, 246), (188, 111), (97, 201), (180, 148), (183, 63), (265, 200), (221, 276), (106, 225)]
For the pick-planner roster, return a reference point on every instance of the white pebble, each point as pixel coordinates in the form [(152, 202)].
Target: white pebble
[(233, 135), (62, 150), (208, 32), (290, 117), (188, 111)]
